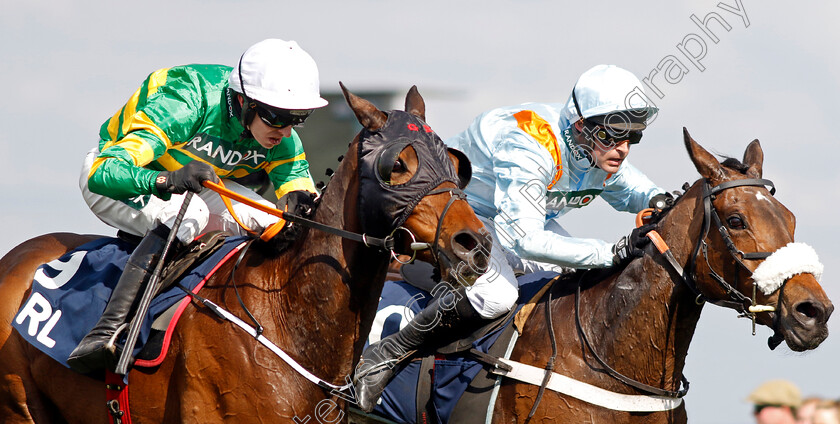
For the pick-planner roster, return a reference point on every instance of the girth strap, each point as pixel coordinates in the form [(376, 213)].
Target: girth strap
[(586, 392)]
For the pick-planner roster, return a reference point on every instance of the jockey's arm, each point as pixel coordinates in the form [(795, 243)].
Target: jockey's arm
[(165, 110), (521, 219), (119, 179)]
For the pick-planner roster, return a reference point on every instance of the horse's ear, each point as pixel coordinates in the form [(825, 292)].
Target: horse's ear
[(462, 165), (754, 158), (414, 103), (368, 115), (707, 165)]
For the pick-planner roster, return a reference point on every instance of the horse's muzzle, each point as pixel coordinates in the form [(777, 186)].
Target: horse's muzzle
[(804, 317)]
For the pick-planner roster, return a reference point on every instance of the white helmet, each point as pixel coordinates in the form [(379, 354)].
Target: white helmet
[(278, 73), (612, 96)]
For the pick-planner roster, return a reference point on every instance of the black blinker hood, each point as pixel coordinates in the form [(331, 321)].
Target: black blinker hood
[(385, 206)]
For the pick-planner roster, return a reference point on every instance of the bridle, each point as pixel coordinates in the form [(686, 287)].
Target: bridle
[(435, 249), (387, 243), (735, 299)]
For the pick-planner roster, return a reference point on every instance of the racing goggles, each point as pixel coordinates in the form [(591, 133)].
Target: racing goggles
[(281, 118), (607, 136)]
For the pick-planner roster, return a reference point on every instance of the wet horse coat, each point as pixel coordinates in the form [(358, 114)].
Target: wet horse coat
[(315, 300), (642, 318)]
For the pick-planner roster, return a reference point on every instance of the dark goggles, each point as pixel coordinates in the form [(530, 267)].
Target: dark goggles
[(280, 118), (607, 136)]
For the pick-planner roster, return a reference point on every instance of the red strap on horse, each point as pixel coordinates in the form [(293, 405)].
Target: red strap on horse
[(116, 396)]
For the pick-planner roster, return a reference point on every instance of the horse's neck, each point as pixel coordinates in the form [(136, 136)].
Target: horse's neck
[(327, 301), (654, 315)]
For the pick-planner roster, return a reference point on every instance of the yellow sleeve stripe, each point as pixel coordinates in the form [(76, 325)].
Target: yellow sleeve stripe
[(96, 164), (156, 80), (113, 126), (128, 113), (142, 122), (275, 164), (296, 184), (138, 149), (171, 164)]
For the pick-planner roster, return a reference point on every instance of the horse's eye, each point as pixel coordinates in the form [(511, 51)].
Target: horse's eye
[(735, 222), (392, 169), (399, 166)]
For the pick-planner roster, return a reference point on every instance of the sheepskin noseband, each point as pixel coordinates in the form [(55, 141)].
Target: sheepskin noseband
[(795, 258)]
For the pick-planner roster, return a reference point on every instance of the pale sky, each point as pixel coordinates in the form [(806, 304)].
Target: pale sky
[(773, 75)]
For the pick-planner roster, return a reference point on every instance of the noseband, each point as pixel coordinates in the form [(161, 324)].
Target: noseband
[(736, 299), (435, 248)]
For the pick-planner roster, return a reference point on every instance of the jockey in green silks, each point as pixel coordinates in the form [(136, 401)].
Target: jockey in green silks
[(186, 125)]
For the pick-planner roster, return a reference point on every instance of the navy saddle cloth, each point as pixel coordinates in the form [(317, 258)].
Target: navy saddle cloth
[(452, 373), (69, 294)]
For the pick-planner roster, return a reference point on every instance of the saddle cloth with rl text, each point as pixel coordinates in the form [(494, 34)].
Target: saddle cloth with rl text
[(70, 293)]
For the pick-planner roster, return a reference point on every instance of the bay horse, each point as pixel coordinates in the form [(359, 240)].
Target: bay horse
[(316, 300), (642, 318)]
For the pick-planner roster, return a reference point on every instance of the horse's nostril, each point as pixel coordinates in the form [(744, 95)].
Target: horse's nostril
[(809, 309), (466, 241)]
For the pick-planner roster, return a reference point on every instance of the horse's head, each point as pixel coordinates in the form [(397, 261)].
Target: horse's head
[(410, 188), (749, 238)]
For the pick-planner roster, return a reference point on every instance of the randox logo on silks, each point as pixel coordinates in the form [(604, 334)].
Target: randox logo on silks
[(557, 200), (221, 153)]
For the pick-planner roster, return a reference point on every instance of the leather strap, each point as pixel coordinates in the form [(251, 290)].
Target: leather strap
[(386, 243), (116, 398), (586, 392), (424, 389)]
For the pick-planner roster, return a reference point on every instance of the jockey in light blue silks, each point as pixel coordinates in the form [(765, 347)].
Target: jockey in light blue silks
[(531, 164), (535, 162)]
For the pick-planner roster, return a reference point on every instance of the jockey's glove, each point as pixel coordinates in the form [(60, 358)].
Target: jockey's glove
[(661, 201), (298, 202), (189, 177), (632, 245)]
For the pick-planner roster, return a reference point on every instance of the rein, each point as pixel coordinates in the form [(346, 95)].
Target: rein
[(736, 299), (386, 243), (646, 388), (256, 333)]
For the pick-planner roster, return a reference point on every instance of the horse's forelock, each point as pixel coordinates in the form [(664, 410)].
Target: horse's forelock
[(735, 164)]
